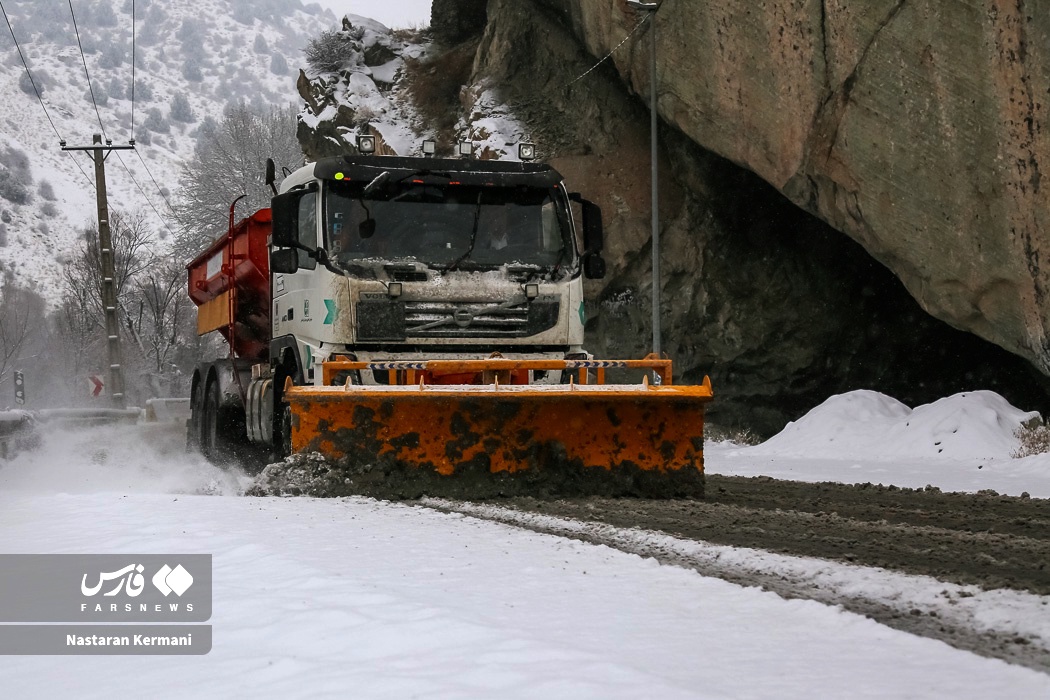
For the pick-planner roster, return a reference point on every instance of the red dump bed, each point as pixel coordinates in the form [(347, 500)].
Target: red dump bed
[(230, 284)]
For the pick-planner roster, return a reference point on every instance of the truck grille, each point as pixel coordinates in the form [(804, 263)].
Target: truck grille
[(455, 320), (400, 320)]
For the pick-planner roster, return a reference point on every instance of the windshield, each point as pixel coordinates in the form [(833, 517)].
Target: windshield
[(448, 226)]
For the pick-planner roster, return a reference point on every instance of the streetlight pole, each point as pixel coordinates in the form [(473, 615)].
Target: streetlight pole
[(651, 8)]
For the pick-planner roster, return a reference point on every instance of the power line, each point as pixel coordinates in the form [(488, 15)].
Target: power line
[(141, 159), (91, 90), (99, 115), (159, 190), (92, 93), (590, 70), (38, 96), (143, 193)]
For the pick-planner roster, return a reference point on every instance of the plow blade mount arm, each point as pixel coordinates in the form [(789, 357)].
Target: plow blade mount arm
[(491, 438)]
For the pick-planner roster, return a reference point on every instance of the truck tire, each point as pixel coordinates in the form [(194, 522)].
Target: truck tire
[(284, 444), (282, 415), (214, 442), (193, 424)]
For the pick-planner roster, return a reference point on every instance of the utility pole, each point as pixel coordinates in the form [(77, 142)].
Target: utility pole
[(105, 246), (651, 8)]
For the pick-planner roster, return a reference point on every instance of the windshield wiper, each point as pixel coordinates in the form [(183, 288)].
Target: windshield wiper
[(377, 182), (473, 239)]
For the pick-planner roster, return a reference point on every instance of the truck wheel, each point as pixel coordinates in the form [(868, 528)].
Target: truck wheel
[(193, 425), (285, 442), (219, 437), (209, 424), (282, 416)]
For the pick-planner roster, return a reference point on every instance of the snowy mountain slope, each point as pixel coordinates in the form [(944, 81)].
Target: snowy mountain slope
[(192, 58), (374, 82), (357, 88)]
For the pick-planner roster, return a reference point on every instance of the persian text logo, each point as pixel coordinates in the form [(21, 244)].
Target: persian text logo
[(129, 578), (168, 580)]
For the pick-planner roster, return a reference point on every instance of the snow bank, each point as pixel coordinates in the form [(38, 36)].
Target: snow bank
[(867, 424), (960, 443)]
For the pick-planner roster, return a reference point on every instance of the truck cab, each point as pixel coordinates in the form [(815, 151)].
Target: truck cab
[(395, 258)]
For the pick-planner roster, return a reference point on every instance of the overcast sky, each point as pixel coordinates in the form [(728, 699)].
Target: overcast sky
[(392, 13)]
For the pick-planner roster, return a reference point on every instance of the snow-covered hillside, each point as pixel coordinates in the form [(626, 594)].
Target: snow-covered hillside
[(391, 85), (192, 57)]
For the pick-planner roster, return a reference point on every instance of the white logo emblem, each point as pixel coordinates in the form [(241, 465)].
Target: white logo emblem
[(131, 580), (169, 580)]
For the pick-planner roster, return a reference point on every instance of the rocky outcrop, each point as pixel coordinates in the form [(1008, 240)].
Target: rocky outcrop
[(453, 21), (777, 306), (918, 128)]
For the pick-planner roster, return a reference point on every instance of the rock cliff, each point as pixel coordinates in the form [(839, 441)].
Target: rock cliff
[(778, 306), (916, 127), (776, 142)]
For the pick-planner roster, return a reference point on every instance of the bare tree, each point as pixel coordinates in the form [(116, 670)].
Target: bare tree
[(80, 320), (82, 276), (160, 309), (229, 161), (21, 314)]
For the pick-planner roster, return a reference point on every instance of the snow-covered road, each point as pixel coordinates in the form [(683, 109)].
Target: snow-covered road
[(361, 598), (358, 598)]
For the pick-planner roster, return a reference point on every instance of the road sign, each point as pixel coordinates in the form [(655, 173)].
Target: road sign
[(20, 388), (95, 384)]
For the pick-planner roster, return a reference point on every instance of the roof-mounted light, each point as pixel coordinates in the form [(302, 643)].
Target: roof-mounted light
[(429, 147), (366, 143), (526, 151), (466, 149)]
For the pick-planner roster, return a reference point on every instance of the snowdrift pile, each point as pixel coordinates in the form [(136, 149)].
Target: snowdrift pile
[(870, 425)]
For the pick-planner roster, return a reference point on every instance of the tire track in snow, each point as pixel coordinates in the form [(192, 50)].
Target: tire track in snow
[(1010, 625)]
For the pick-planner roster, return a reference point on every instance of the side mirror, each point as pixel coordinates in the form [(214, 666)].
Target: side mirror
[(593, 232), (594, 266), (271, 174), (285, 211), (284, 261)]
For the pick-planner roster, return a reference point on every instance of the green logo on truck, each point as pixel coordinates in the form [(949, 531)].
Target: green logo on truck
[(332, 310)]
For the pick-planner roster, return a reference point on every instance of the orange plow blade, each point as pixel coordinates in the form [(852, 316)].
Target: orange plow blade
[(492, 439)]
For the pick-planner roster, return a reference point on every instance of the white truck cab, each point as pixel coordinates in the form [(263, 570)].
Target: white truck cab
[(396, 258)]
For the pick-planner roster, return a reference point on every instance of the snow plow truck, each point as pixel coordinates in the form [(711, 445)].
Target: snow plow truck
[(421, 320)]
